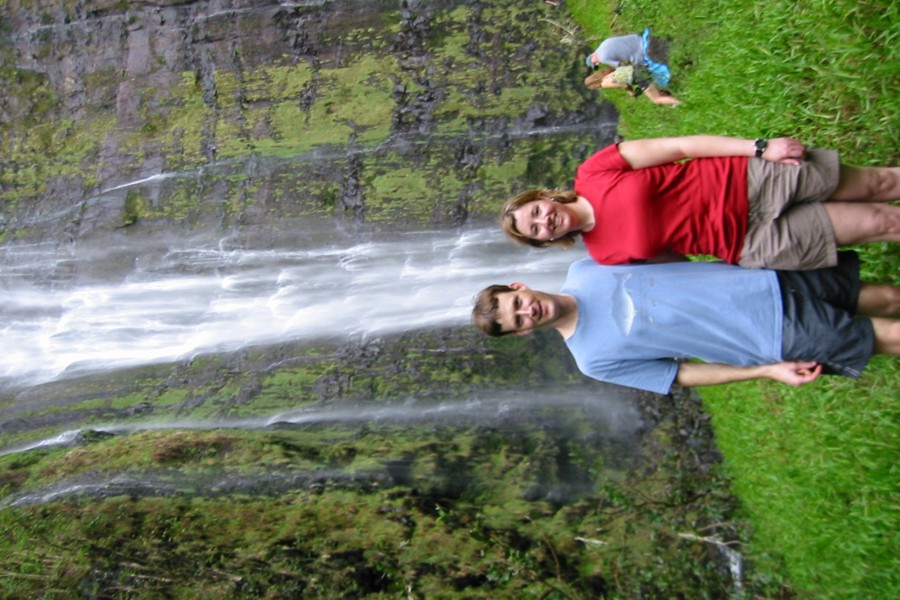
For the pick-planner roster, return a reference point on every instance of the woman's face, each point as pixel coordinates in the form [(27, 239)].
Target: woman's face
[(544, 220)]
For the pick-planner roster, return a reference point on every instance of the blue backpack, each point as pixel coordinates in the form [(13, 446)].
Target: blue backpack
[(659, 71)]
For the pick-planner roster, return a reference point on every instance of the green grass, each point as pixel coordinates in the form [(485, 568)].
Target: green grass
[(815, 467), (816, 470)]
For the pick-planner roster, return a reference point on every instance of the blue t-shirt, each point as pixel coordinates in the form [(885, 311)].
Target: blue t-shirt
[(635, 321)]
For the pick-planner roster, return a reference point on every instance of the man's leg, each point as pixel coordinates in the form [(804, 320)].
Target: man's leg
[(879, 301), (821, 316), (887, 336), (867, 184), (863, 223)]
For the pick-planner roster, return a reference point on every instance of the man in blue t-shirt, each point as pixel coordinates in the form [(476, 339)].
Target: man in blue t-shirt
[(638, 325)]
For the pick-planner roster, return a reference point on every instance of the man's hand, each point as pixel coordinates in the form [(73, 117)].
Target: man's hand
[(791, 373), (785, 150), (795, 372)]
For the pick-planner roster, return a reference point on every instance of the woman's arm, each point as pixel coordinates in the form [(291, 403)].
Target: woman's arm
[(791, 373), (659, 151)]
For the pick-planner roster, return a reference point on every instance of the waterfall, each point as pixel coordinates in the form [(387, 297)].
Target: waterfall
[(613, 415), (122, 302)]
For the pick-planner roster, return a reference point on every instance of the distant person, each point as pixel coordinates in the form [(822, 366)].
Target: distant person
[(632, 49), (756, 203), (637, 326)]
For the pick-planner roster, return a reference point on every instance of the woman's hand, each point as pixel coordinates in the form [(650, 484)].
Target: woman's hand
[(785, 150)]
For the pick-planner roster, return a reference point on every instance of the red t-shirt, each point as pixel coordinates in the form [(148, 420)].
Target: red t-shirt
[(698, 206)]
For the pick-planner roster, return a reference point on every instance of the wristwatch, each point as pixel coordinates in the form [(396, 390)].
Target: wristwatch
[(761, 146)]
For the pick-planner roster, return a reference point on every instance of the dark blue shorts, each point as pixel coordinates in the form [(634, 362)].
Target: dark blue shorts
[(820, 321)]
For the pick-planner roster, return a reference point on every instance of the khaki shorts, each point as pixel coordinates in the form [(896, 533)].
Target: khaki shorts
[(787, 226)]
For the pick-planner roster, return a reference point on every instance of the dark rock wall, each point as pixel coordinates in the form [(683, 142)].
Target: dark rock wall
[(381, 114)]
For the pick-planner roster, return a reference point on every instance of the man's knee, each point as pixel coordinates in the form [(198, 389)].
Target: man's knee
[(887, 336), (868, 184)]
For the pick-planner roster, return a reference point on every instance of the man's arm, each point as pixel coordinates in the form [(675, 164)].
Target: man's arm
[(659, 151), (791, 373)]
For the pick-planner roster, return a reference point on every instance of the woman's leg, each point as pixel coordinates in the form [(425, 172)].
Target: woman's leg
[(657, 96), (867, 184), (879, 300), (863, 223)]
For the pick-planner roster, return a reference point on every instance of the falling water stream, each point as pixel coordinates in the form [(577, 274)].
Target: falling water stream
[(126, 300), (614, 419), (105, 306)]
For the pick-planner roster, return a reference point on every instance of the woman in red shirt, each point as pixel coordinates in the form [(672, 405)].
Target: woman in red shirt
[(763, 203)]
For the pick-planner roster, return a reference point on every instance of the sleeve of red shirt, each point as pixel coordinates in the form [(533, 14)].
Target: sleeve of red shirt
[(607, 159)]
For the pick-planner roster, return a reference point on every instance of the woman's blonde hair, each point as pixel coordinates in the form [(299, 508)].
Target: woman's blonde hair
[(508, 219), (595, 81)]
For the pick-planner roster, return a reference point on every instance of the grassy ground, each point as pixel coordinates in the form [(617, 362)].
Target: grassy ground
[(815, 467)]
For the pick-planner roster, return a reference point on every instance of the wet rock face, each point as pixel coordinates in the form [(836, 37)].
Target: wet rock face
[(381, 114)]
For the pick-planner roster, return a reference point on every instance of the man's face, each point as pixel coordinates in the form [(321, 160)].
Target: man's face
[(544, 220), (525, 309)]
